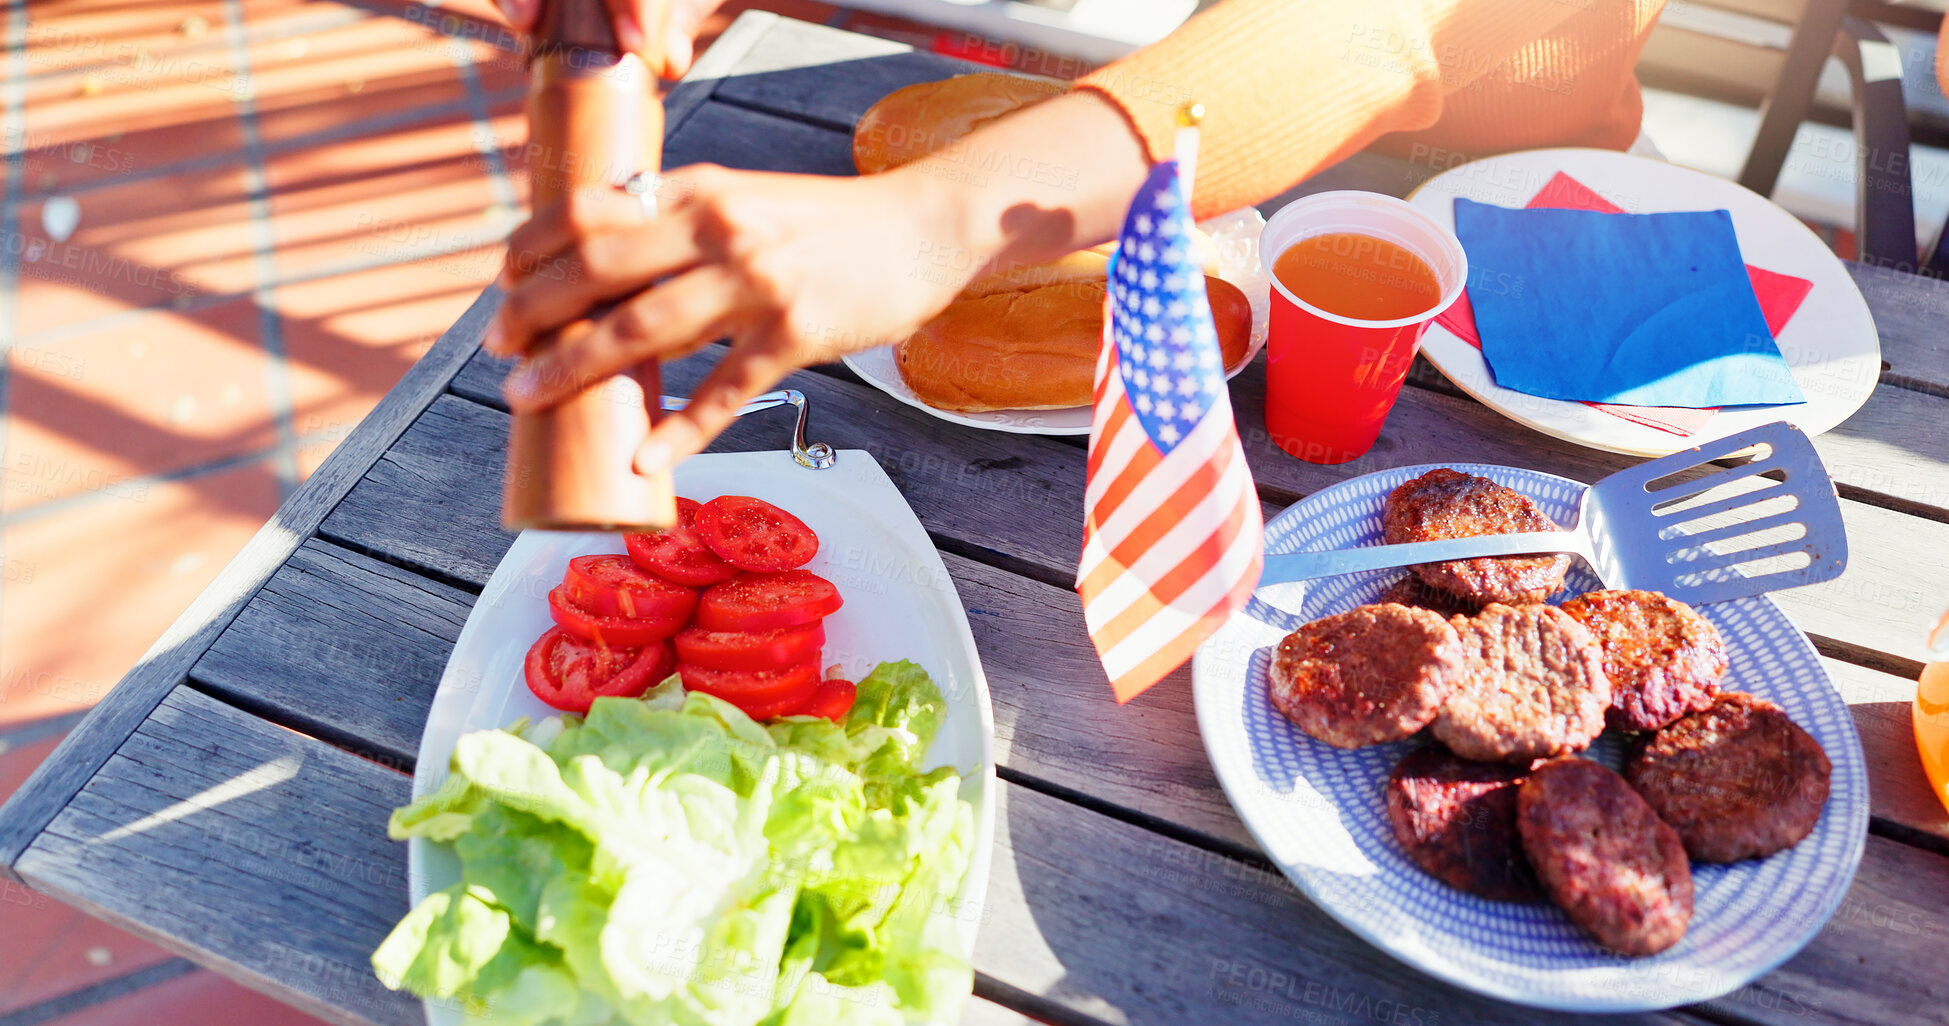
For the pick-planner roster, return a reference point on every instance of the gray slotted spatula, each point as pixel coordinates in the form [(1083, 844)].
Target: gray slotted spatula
[(1635, 537)]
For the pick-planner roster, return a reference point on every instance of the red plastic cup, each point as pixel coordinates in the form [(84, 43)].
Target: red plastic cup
[(1330, 380)]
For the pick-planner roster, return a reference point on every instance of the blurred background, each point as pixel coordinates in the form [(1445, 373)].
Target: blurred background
[(229, 226)]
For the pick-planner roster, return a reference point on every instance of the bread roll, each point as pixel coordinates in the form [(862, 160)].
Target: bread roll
[(911, 123), (1034, 348), (1084, 265)]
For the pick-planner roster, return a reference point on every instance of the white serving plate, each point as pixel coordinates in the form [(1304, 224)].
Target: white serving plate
[(1320, 812), (1830, 342), (1236, 236), (899, 604)]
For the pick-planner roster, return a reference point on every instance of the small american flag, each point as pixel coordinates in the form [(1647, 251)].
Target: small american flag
[(1172, 534)]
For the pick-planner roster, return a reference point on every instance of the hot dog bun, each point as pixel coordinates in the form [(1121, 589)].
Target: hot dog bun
[(1034, 348), (924, 118)]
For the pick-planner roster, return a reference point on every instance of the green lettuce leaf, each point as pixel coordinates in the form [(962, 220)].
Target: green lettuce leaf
[(668, 860)]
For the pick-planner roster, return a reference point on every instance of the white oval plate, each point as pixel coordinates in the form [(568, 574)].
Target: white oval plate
[(1830, 343), (1320, 812), (1236, 236), (899, 604)]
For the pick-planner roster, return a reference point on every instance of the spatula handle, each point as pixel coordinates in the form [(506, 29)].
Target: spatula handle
[(1286, 567)]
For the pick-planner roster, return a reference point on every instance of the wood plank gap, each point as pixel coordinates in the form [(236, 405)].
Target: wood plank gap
[(1904, 834), (1196, 838), (1003, 561), (301, 725), (400, 562), (1019, 1001), (774, 112)]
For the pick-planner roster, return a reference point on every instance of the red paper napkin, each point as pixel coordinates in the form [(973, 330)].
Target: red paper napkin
[(1779, 296)]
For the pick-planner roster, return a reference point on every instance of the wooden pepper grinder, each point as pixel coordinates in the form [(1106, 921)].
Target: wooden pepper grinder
[(594, 120)]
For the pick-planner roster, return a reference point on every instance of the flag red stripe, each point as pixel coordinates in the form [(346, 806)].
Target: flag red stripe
[(1160, 663), (1118, 415), (1172, 584), (1126, 550)]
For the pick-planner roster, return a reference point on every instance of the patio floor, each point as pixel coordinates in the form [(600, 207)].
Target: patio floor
[(228, 227)]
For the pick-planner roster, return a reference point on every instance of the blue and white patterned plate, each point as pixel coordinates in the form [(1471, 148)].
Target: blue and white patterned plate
[(1320, 812)]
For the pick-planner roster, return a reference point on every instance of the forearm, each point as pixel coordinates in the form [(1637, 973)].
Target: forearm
[(1032, 186), (1292, 86)]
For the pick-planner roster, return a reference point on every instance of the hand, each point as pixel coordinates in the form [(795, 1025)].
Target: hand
[(659, 31), (796, 269)]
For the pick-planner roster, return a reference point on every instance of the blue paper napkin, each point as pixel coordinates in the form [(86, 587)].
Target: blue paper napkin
[(1633, 309)]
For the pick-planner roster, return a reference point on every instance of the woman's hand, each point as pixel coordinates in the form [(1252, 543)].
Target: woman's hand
[(798, 269), (659, 31), (795, 269)]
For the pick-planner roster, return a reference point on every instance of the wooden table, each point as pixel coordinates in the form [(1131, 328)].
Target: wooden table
[(228, 799)]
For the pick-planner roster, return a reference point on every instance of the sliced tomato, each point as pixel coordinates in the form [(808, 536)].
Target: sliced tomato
[(570, 673), (753, 534), (613, 631), (738, 650), (767, 602), (832, 699), (616, 586), (678, 554), (762, 694)]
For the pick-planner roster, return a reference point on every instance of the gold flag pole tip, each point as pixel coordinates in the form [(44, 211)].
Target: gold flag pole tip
[(1190, 115)]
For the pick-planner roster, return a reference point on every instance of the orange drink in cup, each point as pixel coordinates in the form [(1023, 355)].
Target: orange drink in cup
[(1356, 277)]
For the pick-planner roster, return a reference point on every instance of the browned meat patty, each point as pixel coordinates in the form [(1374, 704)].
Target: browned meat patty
[(1370, 674), (1534, 688), (1446, 503), (1664, 660), (1413, 591), (1739, 780), (1605, 857), (1457, 820)]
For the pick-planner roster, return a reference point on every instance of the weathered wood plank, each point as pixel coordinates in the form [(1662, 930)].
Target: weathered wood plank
[(1909, 312), (342, 647), (1054, 718), (967, 486), (1888, 454), (710, 67), (828, 76), (1882, 705), (1878, 610), (737, 137), (1016, 499), (1121, 923), (254, 851), (84, 750)]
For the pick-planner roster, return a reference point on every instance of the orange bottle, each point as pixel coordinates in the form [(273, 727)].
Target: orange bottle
[(1932, 712)]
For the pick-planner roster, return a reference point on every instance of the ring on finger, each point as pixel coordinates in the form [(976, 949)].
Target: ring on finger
[(643, 186)]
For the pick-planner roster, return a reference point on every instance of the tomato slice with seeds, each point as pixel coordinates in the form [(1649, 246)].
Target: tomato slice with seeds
[(678, 554), (613, 631), (762, 694), (740, 650), (570, 674), (616, 586), (767, 602), (832, 699), (753, 534)]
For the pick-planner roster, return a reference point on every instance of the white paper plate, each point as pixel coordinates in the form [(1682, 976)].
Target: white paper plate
[(1236, 236), (899, 604), (1320, 812), (1830, 343)]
